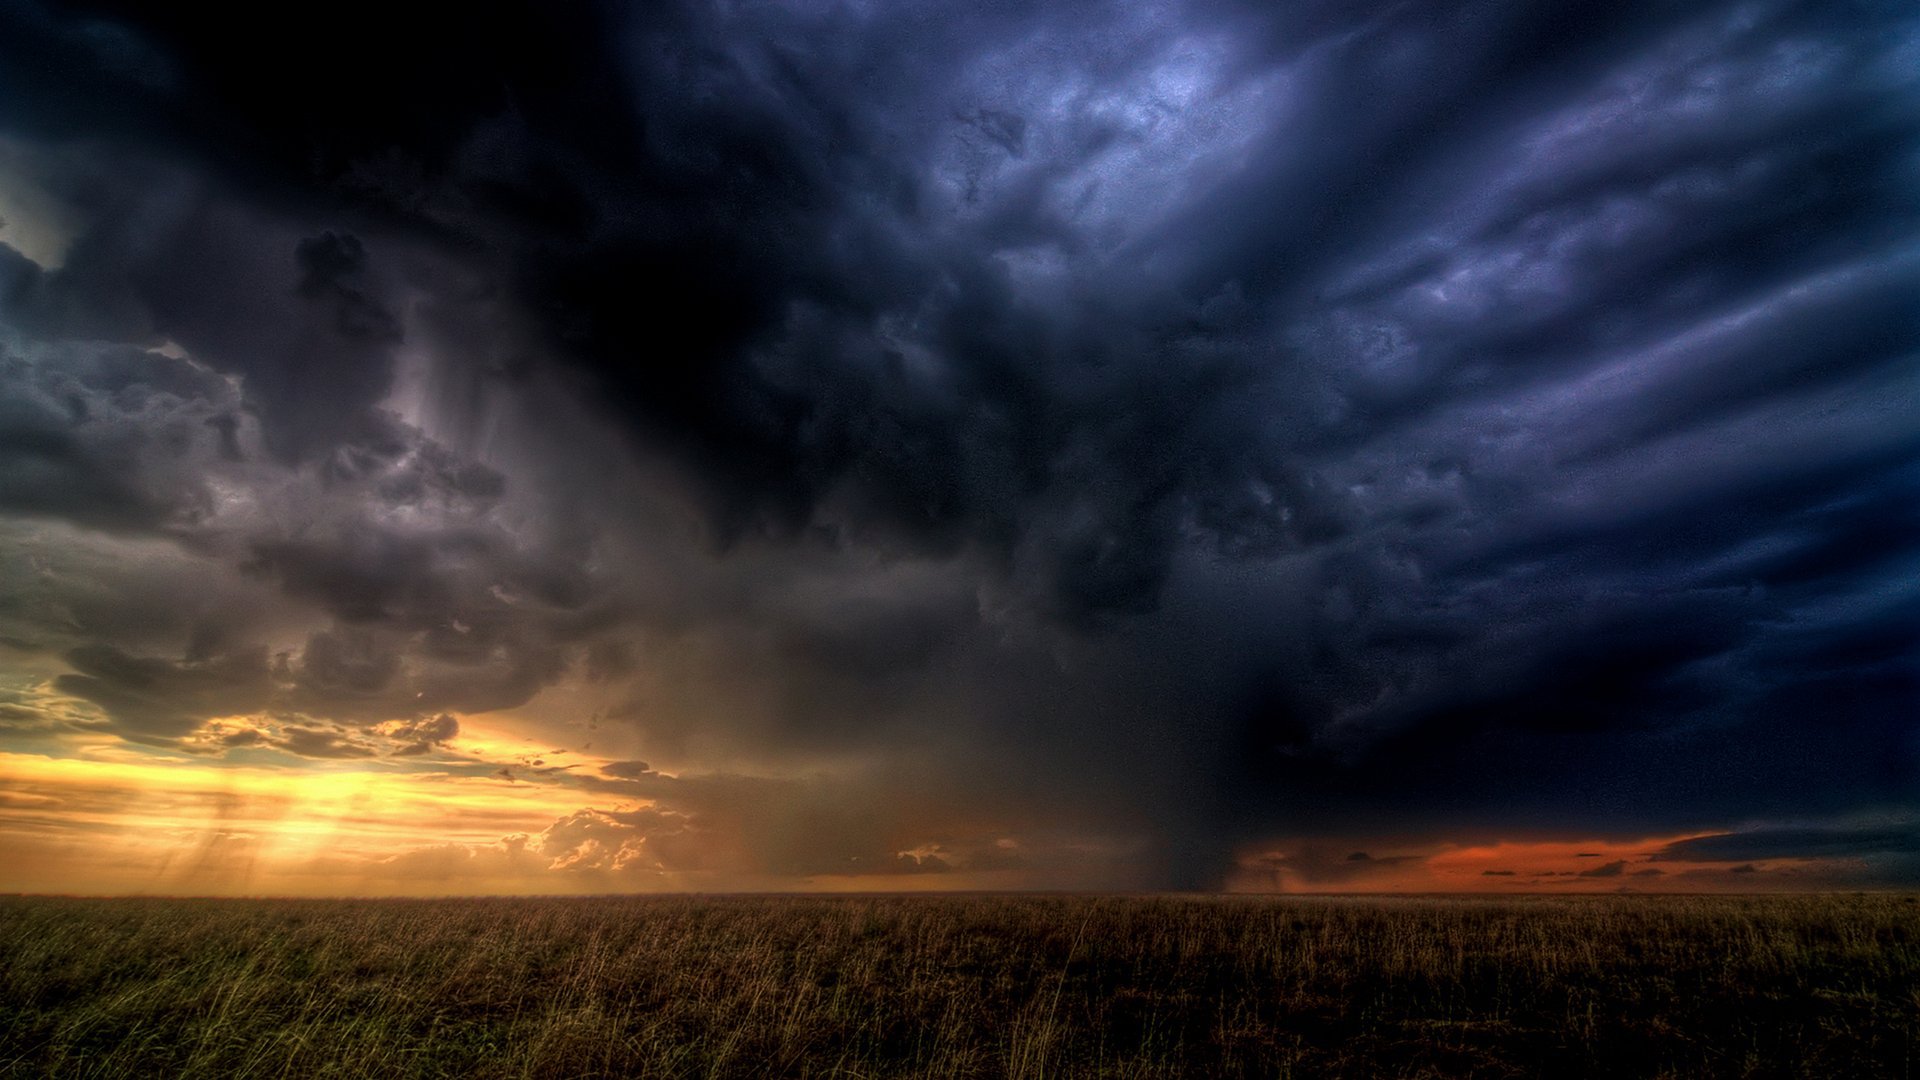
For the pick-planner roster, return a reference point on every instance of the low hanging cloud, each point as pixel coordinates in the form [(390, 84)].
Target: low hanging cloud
[(160, 697), (1878, 850)]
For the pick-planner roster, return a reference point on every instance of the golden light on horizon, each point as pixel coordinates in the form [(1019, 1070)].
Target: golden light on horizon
[(163, 825)]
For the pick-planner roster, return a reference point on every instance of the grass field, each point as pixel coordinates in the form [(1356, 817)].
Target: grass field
[(1825, 986)]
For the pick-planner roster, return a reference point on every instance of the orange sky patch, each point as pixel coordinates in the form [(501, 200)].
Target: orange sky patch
[(1574, 866), (159, 824)]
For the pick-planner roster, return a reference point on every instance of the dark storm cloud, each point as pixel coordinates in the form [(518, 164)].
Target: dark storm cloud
[(1322, 865), (1211, 419), (156, 697), (107, 436), (167, 259), (1787, 842), (424, 601), (315, 743)]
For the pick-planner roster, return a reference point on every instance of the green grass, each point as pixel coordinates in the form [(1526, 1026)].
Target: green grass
[(962, 986)]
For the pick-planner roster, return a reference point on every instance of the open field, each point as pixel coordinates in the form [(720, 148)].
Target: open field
[(963, 986)]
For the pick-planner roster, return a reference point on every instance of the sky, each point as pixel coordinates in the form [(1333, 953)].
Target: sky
[(681, 446)]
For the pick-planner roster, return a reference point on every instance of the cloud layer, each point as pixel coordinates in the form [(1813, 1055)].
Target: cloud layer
[(1102, 439)]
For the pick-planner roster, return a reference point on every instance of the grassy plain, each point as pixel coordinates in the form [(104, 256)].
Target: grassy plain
[(967, 986)]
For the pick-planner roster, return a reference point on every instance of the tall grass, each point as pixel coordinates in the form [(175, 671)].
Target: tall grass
[(962, 987)]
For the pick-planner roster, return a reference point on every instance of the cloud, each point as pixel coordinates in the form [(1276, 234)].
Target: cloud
[(423, 735), (1186, 423), (110, 437), (1316, 865), (684, 845), (157, 697), (315, 743), (1871, 851), (1796, 842)]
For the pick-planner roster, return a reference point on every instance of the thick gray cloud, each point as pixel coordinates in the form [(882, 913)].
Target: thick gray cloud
[(161, 697), (109, 436), (1877, 850), (1790, 842), (1191, 421)]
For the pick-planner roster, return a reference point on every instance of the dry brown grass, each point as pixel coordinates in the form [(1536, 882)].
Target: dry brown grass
[(962, 987)]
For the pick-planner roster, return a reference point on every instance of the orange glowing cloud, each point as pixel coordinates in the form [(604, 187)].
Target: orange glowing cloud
[(1533, 865)]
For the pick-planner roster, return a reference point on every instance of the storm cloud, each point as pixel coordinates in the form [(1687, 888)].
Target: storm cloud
[(1144, 430)]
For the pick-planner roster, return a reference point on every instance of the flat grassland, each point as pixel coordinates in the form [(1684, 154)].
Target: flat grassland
[(1029, 986)]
